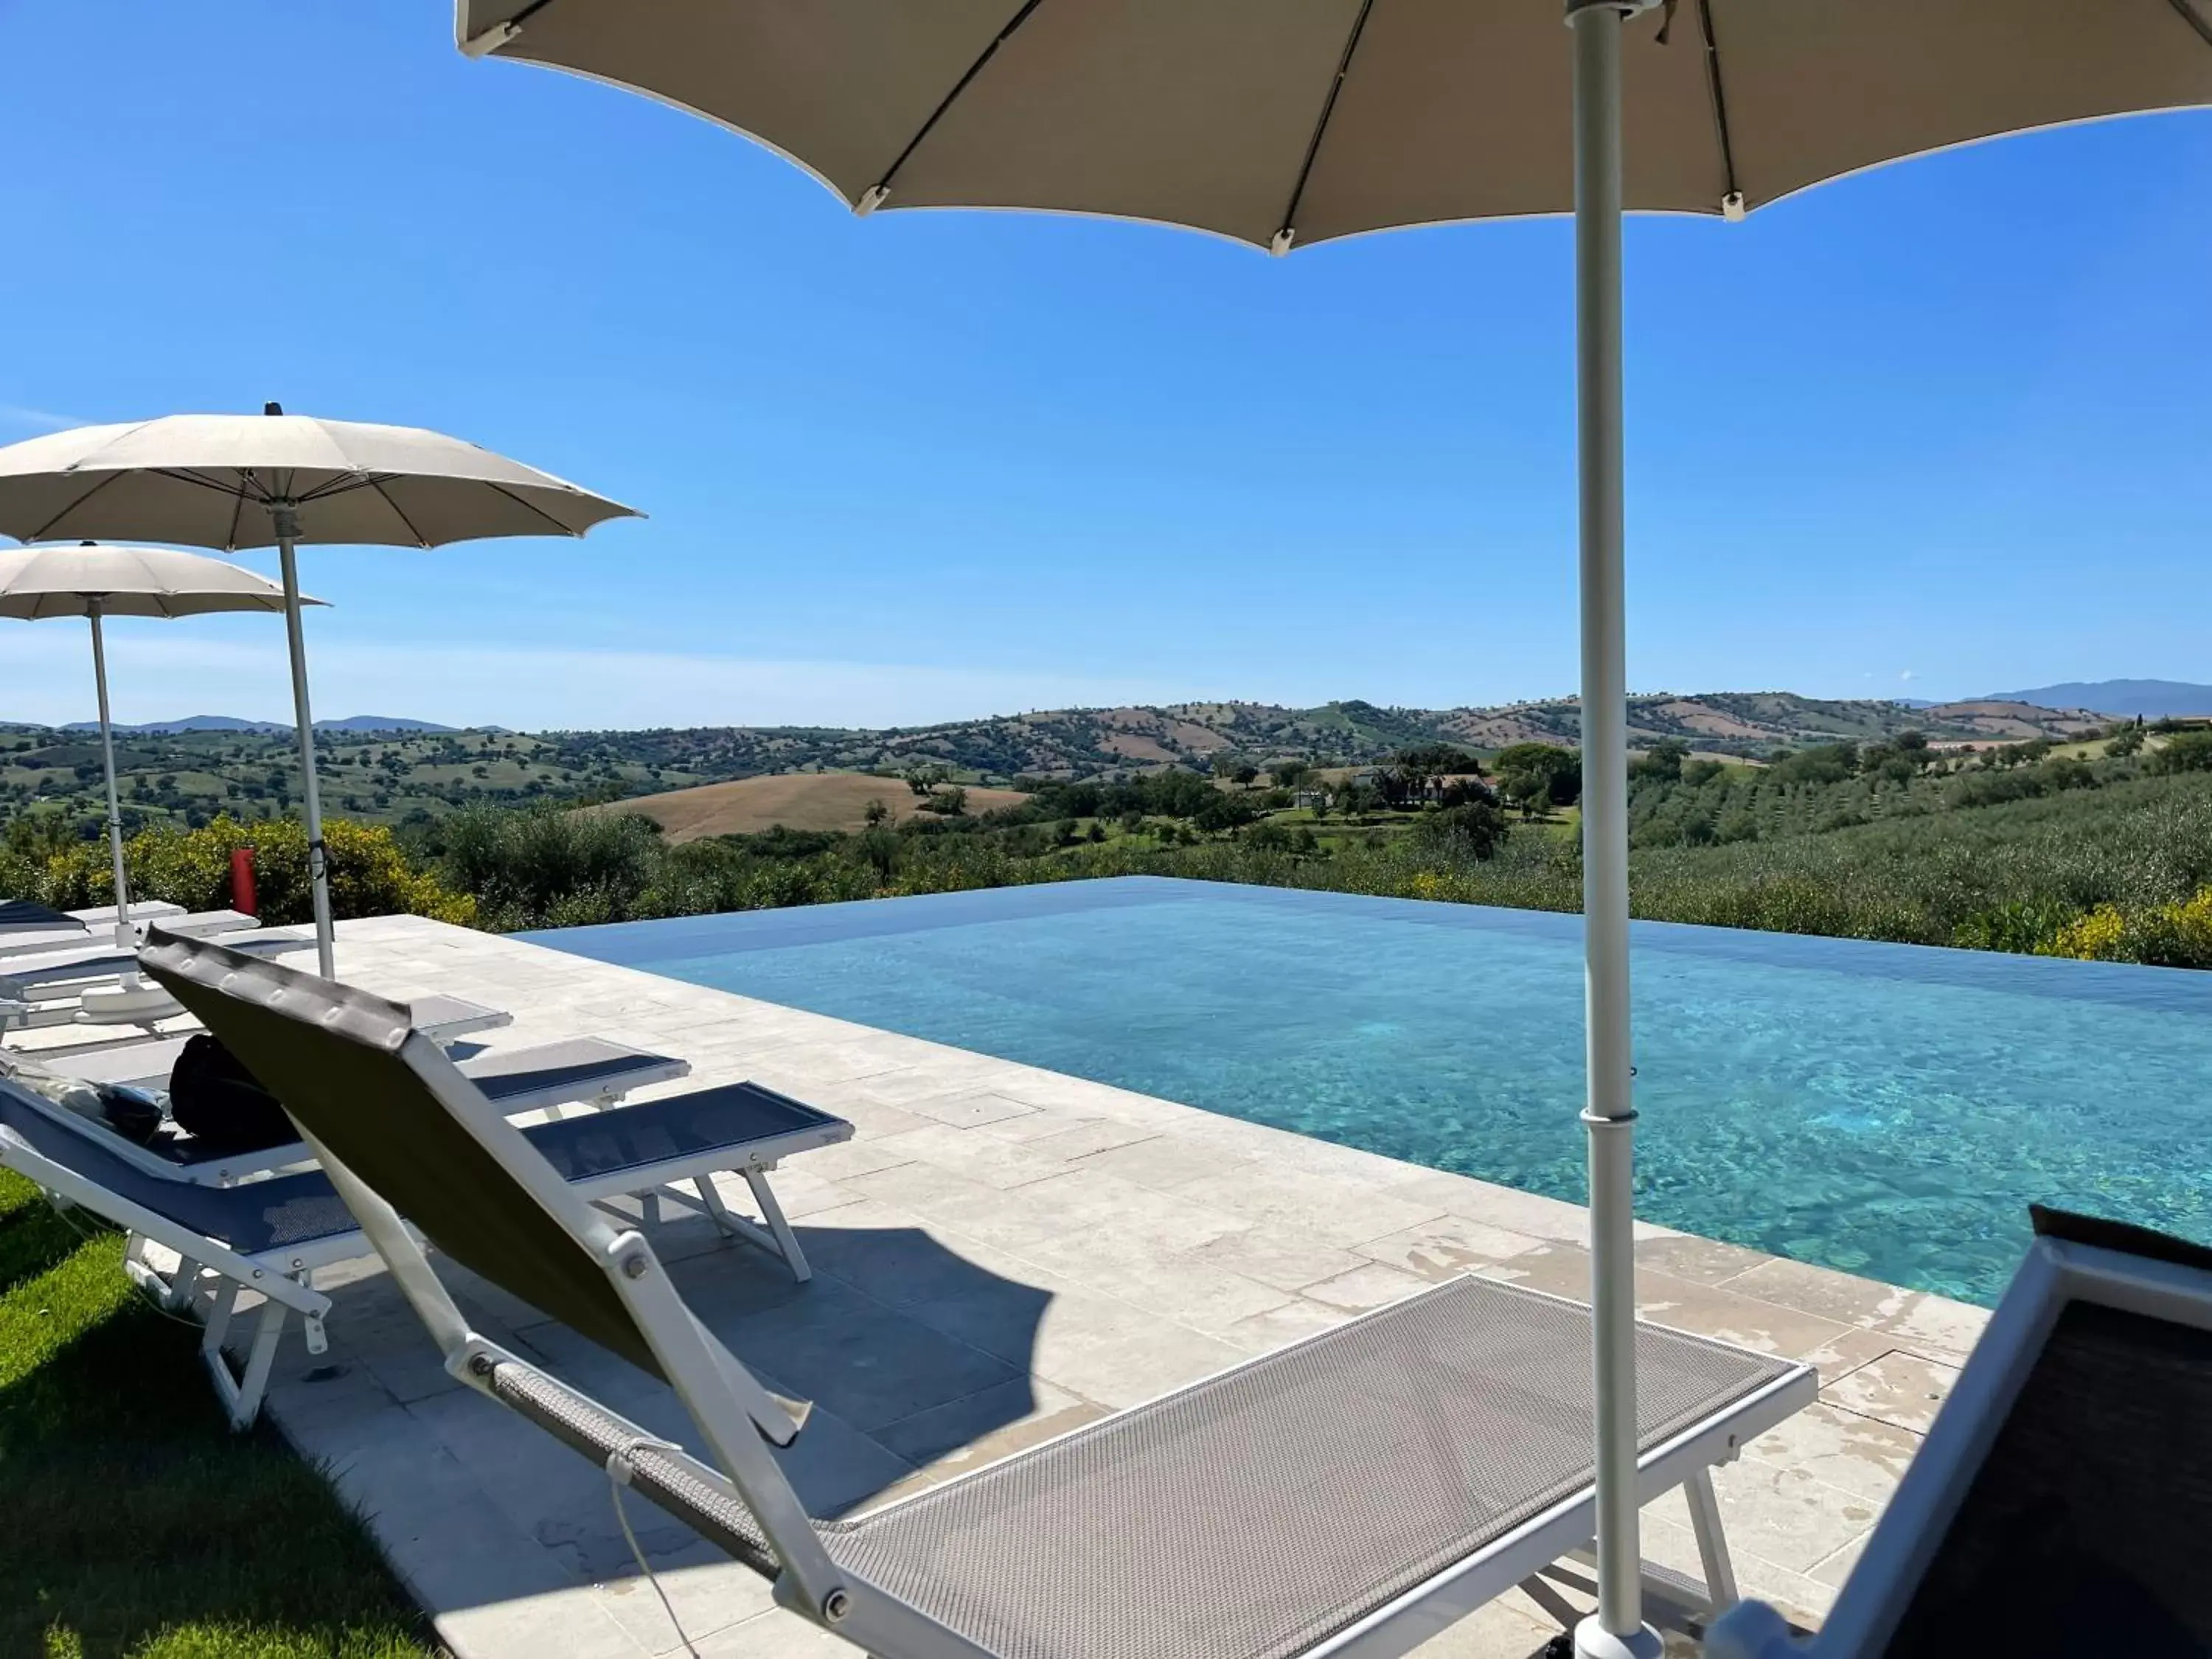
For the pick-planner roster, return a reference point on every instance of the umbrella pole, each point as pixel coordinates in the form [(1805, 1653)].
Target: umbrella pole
[(126, 940), (318, 875), (1617, 1630)]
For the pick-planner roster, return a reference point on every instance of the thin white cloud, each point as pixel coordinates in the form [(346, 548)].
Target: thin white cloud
[(1909, 674), (38, 420), (158, 674)]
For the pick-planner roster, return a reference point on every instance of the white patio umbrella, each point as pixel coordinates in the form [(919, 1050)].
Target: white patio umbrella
[(1286, 123), (234, 480), (96, 580)]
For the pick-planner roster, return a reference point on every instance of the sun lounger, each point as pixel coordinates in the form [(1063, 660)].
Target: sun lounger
[(29, 929), (1353, 1494), (540, 1076), (27, 926), (2062, 1502), (448, 1018), (28, 915), (73, 987), (270, 1237), (58, 969), (98, 931)]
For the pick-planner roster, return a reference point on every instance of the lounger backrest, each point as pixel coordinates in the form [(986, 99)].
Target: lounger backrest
[(393, 1109), (2062, 1500), (2096, 1489)]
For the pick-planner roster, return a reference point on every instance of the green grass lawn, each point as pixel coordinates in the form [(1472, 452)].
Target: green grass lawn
[(136, 1526)]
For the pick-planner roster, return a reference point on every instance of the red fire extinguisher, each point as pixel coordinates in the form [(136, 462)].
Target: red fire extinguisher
[(242, 898)]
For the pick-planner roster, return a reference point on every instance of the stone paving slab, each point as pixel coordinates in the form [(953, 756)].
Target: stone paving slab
[(1003, 1254)]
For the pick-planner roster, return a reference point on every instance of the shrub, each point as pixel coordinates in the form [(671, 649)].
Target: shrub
[(544, 867), (370, 874), (1474, 830), (2185, 751)]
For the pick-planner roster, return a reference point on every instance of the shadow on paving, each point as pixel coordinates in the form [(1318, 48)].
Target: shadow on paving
[(892, 1392)]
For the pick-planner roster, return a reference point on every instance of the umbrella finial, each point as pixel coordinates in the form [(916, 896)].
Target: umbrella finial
[(272, 408)]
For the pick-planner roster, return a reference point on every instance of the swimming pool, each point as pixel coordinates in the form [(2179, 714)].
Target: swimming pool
[(1886, 1109)]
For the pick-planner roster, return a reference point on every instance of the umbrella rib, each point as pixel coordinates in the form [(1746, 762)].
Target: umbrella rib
[(237, 510), (377, 485), (1290, 224), (884, 184), (2194, 18), (559, 528), (1719, 95), (345, 483), (105, 479)]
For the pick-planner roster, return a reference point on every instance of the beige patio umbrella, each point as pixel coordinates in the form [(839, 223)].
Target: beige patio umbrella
[(233, 481), (1284, 123), (95, 580)]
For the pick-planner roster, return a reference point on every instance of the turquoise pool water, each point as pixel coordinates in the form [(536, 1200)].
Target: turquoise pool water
[(1886, 1109)]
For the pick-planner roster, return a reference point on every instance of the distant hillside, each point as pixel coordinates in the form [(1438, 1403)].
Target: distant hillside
[(380, 723), (1074, 743), (2152, 699), (383, 769), (232, 723), (809, 801)]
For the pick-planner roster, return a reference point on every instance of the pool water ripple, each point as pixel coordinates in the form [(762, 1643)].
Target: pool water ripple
[(1889, 1110)]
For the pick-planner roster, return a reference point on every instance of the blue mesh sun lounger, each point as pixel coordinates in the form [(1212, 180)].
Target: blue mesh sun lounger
[(270, 1237)]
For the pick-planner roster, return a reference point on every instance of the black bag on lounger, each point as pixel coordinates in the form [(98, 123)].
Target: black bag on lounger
[(216, 1101)]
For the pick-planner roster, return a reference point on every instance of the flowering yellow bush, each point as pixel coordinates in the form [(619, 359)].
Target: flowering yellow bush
[(2177, 935), (2098, 936), (370, 874)]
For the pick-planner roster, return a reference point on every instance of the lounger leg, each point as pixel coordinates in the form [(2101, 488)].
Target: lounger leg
[(787, 1242), (218, 1323), (245, 1398), (1712, 1542), (183, 1284), (732, 1226)]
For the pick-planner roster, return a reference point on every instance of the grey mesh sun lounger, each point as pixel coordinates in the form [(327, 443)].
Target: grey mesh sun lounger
[(97, 961), (540, 1076), (33, 929), (45, 990), (1353, 1494), (270, 1237), (2062, 1504)]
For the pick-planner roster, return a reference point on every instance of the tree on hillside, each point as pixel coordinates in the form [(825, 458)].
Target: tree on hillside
[(1662, 762), (1474, 831), (1535, 775)]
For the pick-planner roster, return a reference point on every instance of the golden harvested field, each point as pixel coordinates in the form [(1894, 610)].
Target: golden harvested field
[(799, 800)]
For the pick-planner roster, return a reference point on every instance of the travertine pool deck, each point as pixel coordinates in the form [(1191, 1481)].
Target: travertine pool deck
[(1003, 1254)]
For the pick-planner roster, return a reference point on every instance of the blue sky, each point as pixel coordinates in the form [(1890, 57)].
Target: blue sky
[(1936, 430)]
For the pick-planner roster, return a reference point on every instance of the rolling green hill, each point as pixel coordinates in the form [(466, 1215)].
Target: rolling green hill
[(398, 777)]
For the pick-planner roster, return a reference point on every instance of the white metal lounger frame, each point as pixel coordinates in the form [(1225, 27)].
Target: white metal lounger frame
[(2056, 1273), (285, 1275), (735, 1413)]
